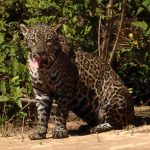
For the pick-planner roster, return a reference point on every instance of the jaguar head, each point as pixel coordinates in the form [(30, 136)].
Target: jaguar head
[(42, 43)]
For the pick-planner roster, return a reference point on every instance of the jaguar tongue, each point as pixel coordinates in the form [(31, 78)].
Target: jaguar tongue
[(35, 63)]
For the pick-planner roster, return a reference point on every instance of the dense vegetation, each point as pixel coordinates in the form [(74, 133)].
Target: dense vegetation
[(80, 19)]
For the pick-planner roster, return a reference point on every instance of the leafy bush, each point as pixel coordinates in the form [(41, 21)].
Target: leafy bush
[(134, 60), (80, 24), (14, 79), (134, 66)]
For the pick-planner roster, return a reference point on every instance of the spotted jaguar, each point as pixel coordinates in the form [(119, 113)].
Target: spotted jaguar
[(80, 82)]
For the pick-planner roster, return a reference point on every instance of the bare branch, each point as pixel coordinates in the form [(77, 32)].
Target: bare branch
[(99, 39), (106, 37), (29, 101), (22, 130), (118, 34)]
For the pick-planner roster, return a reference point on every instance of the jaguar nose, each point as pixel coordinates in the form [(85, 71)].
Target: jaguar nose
[(41, 53)]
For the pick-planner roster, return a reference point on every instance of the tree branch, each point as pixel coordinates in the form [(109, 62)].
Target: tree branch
[(99, 38), (29, 101), (118, 34), (106, 37)]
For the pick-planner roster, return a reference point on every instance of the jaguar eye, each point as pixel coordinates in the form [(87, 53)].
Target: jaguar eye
[(32, 41), (31, 38), (49, 42)]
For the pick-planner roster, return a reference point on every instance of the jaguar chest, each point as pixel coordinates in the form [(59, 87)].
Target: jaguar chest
[(41, 79)]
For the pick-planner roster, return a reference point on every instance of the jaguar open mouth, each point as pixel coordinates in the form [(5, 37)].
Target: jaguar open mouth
[(38, 62), (41, 61)]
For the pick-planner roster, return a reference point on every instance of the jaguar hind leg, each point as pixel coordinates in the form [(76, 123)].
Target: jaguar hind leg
[(101, 128), (84, 129)]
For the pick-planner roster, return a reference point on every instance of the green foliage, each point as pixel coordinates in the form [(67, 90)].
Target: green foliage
[(141, 11), (14, 79), (80, 24), (145, 5), (134, 66), (134, 61), (141, 24)]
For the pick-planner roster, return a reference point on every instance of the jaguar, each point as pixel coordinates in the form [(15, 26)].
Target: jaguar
[(79, 81)]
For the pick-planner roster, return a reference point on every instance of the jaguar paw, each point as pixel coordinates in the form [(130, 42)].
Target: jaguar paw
[(37, 136), (58, 134)]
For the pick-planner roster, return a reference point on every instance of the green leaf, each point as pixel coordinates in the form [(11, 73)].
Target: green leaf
[(65, 28), (3, 86), (140, 10), (24, 114), (99, 1), (141, 24), (87, 29), (1, 38), (17, 93), (3, 25), (130, 90), (14, 79), (15, 67), (148, 8), (74, 20), (4, 98), (2, 58), (146, 3), (86, 3), (19, 103), (148, 31)]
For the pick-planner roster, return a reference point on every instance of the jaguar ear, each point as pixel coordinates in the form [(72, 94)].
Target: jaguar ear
[(24, 29), (58, 28)]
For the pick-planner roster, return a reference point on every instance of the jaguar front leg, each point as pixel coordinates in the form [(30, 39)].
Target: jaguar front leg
[(60, 130), (43, 105)]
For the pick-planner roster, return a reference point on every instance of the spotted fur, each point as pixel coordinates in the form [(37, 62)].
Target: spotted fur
[(79, 81)]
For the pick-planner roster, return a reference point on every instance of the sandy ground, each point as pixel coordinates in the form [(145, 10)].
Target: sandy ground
[(133, 139), (137, 138)]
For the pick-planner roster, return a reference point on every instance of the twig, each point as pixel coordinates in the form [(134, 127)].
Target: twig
[(106, 37), (122, 37), (98, 137), (28, 100), (99, 32), (5, 126), (22, 130), (28, 103), (146, 103), (17, 113), (119, 31)]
